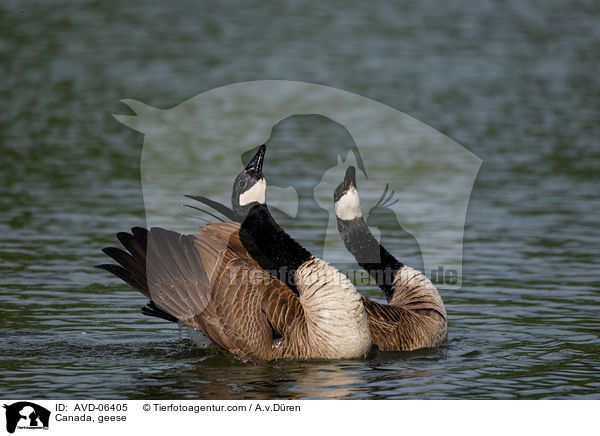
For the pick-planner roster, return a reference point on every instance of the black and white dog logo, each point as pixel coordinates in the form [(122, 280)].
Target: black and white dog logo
[(26, 415)]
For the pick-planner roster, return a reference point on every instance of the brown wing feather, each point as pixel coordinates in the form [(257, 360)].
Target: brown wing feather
[(199, 281), (227, 233), (280, 304), (208, 282), (398, 329)]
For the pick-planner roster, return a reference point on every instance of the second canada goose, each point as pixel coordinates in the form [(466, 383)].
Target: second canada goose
[(415, 316), (213, 282)]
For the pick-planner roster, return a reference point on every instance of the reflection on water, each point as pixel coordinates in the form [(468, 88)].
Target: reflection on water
[(216, 376), (514, 82)]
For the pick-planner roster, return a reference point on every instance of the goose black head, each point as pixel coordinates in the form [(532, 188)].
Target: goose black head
[(345, 196), (249, 188)]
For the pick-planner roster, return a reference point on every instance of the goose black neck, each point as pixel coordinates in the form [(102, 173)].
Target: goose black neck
[(273, 249), (370, 254)]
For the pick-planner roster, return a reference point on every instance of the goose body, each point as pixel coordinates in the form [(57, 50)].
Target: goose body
[(220, 282), (415, 316)]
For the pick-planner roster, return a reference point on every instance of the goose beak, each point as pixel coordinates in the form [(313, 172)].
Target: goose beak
[(255, 165), (347, 185), (350, 178)]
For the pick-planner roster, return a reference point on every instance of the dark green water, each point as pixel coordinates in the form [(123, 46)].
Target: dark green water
[(515, 83)]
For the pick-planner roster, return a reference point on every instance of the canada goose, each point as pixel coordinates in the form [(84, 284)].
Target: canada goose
[(415, 316), (217, 282)]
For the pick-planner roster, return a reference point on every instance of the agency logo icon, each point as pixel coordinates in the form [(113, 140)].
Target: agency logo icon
[(26, 415), (415, 183)]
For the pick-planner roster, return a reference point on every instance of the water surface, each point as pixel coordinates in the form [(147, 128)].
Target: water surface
[(515, 83)]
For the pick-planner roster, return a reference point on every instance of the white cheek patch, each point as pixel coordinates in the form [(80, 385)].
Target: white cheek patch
[(255, 194), (348, 207)]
